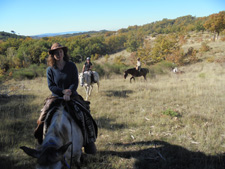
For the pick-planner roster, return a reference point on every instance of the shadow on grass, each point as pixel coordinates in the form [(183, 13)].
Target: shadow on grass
[(108, 124), (9, 163), (118, 93), (16, 129), (162, 155), (159, 155), (5, 99), (14, 133), (16, 106)]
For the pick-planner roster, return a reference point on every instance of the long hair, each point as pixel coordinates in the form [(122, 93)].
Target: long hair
[(52, 62)]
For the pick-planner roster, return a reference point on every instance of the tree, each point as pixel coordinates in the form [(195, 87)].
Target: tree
[(164, 46), (132, 45), (199, 24), (216, 23), (144, 53)]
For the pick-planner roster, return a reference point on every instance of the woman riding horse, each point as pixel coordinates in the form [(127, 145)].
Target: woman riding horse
[(62, 77), (87, 67)]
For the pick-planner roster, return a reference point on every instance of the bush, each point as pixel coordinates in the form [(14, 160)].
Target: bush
[(116, 68), (189, 57), (202, 75), (98, 68), (23, 74), (161, 68), (204, 47), (31, 72), (39, 71), (109, 69), (171, 113)]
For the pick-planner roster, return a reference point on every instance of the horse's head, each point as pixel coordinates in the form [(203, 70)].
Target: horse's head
[(81, 79), (125, 75), (56, 150), (48, 157)]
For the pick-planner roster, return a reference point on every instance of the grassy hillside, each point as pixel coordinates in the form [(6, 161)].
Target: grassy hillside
[(169, 121), (195, 40)]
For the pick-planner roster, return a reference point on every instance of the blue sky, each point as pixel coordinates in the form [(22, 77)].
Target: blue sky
[(33, 17)]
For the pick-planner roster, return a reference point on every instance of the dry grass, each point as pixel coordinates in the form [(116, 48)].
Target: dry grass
[(132, 114), (135, 128)]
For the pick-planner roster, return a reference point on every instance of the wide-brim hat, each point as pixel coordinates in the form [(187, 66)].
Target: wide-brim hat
[(56, 46)]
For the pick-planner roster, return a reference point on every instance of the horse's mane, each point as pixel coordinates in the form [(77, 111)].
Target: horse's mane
[(54, 118)]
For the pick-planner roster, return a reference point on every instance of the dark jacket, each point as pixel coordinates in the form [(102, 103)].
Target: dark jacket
[(87, 66), (67, 78)]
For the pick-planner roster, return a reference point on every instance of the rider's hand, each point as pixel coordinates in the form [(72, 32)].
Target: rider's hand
[(66, 97), (67, 92)]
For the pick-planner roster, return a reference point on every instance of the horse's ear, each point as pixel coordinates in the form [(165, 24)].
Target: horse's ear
[(64, 148), (31, 152)]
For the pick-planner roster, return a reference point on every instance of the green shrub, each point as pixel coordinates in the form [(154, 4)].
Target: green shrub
[(31, 72), (23, 74), (202, 75), (171, 113), (98, 68), (161, 67), (109, 69), (38, 70)]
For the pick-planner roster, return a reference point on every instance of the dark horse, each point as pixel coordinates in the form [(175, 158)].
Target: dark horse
[(135, 73)]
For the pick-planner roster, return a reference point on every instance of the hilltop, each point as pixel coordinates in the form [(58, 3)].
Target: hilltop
[(69, 34), (195, 40), (6, 35)]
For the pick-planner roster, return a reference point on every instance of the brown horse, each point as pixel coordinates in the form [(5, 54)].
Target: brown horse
[(135, 73)]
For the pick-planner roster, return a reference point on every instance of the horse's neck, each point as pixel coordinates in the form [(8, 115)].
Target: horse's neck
[(57, 128), (87, 78)]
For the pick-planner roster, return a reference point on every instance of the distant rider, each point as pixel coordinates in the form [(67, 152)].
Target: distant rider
[(138, 66), (87, 67)]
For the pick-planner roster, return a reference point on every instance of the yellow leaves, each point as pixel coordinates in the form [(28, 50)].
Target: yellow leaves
[(119, 60), (43, 56), (10, 73), (216, 22), (1, 72)]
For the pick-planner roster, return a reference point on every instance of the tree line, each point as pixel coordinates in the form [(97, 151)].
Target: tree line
[(21, 52)]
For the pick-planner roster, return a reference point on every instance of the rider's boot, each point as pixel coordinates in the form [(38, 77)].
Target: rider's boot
[(90, 148)]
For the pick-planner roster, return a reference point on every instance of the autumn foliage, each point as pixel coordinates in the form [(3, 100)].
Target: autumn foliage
[(216, 23), (17, 52)]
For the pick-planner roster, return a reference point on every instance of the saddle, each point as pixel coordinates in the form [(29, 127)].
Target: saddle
[(92, 78), (79, 111)]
